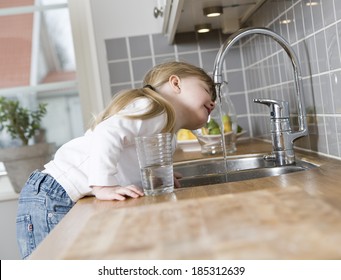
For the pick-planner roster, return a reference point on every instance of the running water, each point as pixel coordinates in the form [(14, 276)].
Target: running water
[(220, 110), (226, 108)]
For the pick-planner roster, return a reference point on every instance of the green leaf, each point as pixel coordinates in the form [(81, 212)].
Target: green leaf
[(19, 121)]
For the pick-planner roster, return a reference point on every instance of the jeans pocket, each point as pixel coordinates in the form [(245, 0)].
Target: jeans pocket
[(25, 235), (58, 205), (53, 218)]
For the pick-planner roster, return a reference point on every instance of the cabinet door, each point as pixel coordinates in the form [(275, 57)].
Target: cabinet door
[(182, 15), (171, 17)]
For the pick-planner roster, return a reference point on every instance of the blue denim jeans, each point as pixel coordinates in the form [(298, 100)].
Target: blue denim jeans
[(42, 204)]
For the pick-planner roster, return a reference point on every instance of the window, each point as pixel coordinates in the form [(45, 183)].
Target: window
[(37, 64)]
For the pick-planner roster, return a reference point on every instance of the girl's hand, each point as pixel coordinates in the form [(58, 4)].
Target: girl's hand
[(177, 176), (116, 192)]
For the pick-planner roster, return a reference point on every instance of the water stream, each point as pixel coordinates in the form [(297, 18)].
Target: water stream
[(221, 113)]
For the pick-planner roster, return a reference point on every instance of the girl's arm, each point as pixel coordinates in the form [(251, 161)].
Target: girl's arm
[(116, 192)]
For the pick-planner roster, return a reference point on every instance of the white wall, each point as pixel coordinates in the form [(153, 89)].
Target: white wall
[(8, 244)]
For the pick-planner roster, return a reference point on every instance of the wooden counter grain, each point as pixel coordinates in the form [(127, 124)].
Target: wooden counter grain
[(293, 216)]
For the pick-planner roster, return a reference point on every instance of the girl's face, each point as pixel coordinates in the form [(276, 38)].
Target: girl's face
[(197, 102)]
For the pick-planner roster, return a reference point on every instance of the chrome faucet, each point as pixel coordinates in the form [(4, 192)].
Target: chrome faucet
[(282, 136)]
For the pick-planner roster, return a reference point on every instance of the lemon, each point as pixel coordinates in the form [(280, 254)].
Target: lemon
[(212, 127), (185, 134), (226, 118), (204, 131), (227, 123)]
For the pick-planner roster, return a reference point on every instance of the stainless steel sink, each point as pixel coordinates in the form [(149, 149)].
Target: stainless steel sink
[(239, 168)]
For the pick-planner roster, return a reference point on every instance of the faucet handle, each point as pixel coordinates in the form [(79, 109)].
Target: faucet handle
[(279, 109)]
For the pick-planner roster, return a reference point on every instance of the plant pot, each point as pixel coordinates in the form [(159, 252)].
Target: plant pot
[(20, 162)]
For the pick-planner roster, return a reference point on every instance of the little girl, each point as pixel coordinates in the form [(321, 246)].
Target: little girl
[(104, 161)]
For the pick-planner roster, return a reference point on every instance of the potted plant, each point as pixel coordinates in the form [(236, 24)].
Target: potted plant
[(23, 124)]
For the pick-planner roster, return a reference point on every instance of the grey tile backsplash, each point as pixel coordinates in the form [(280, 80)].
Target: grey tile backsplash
[(140, 46), (116, 49), (257, 67)]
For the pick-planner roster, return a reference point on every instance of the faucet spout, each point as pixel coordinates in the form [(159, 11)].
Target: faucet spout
[(218, 79)]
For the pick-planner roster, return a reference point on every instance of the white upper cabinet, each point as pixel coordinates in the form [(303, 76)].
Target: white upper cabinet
[(183, 15), (114, 18)]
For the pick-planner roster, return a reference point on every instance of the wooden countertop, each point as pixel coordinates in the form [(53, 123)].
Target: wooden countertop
[(292, 216)]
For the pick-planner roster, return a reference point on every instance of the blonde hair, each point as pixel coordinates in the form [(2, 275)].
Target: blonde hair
[(156, 77)]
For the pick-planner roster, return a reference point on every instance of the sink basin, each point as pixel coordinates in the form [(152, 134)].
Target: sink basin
[(239, 168)]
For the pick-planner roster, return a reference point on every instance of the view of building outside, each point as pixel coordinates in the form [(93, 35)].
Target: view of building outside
[(37, 64), (36, 43)]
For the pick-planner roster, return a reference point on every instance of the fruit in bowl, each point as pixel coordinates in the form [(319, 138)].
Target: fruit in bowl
[(212, 127), (210, 137), (187, 141), (185, 134)]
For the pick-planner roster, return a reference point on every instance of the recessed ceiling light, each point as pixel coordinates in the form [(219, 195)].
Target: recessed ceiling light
[(213, 11), (203, 28)]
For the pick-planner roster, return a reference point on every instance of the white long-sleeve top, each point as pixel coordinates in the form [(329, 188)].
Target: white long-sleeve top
[(105, 156)]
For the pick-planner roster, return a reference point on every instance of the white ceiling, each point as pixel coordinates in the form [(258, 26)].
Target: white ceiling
[(192, 12)]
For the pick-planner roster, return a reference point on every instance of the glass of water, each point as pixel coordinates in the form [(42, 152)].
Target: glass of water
[(156, 163)]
